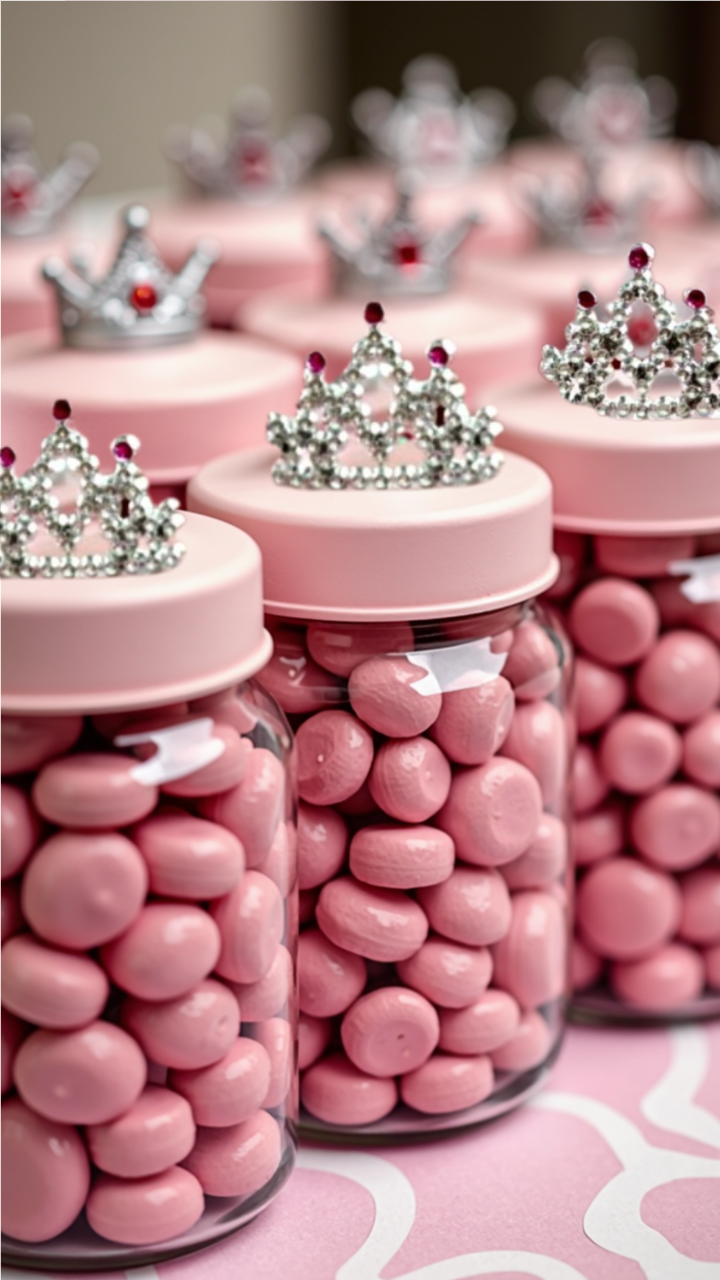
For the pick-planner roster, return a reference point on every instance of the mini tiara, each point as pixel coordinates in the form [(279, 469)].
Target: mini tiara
[(643, 348), (139, 303), (336, 441), (432, 129), (577, 210), (63, 500), (611, 106), (244, 161), (33, 202), (396, 255), (703, 163)]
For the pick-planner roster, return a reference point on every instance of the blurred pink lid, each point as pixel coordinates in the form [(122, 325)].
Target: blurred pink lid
[(98, 644), (617, 475), (370, 555)]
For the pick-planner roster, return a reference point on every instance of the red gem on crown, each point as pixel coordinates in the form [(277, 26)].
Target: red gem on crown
[(374, 313), (315, 362), (694, 298), (586, 299), (61, 410), (143, 297), (7, 456)]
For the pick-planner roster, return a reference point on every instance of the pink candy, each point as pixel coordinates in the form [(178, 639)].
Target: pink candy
[(335, 752)]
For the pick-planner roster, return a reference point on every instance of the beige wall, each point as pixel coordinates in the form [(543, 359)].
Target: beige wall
[(118, 73)]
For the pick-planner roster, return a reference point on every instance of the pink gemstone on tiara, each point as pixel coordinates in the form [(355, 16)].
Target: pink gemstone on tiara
[(374, 313), (315, 362), (7, 456), (640, 256), (694, 298), (438, 354), (407, 253), (123, 450), (143, 297), (61, 410), (586, 299)]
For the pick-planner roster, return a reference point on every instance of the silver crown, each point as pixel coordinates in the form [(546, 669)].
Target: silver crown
[(33, 202), (395, 255), (577, 209), (64, 519), (432, 129), (245, 161), (703, 164), (645, 360), (139, 303), (611, 106), (429, 437)]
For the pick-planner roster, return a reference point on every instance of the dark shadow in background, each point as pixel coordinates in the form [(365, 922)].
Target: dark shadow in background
[(511, 45)]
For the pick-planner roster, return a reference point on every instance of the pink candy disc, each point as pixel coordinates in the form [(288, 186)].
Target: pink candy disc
[(449, 974), (532, 665), (156, 1132), (666, 980), (600, 693), (47, 1174), (188, 857), (13, 1031), (641, 557), (229, 1091), (474, 723), (87, 1076), (380, 924), (340, 647), (269, 995), (530, 961), (639, 752), (678, 827), (251, 922), (322, 842), (598, 835), (472, 906), (238, 1160), (700, 918), (493, 811), (226, 771), (383, 693), (680, 678), (701, 751), (410, 779), (527, 1047), (330, 978), (12, 917), (276, 1037), (397, 857), (571, 551), (51, 988), (390, 1031), (252, 810), (585, 967), (626, 910), (335, 1091), (314, 1036), (139, 1211), (82, 889), (93, 792), (538, 740), (20, 829), (280, 861), (29, 741), (544, 861), (614, 621), (167, 950), (291, 677), (445, 1083), (482, 1026), (194, 1030), (589, 784), (334, 753)]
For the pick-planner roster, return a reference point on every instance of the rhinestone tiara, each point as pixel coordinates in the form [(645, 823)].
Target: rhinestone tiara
[(245, 161), (577, 209), (139, 303), (703, 164), (645, 360), (432, 129), (337, 441), (33, 202), (64, 503), (396, 255)]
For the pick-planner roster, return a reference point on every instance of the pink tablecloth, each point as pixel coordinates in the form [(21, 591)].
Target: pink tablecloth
[(612, 1172)]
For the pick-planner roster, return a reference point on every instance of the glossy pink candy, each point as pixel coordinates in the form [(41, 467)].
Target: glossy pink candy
[(589, 784), (600, 693), (330, 978), (473, 723), (380, 924), (680, 678), (532, 665), (314, 1036), (639, 752), (446, 1083), (340, 647), (701, 750), (671, 977), (448, 973), (50, 1174), (700, 918), (383, 693), (251, 923), (335, 1091), (227, 770), (528, 1046), (231, 1089), (538, 740), (157, 1131), (390, 1031), (88, 1076), (188, 857), (410, 779), (647, 557), (291, 677), (481, 1027), (530, 960), (276, 1037), (238, 1159), (194, 1030), (168, 948), (598, 835), (614, 621), (322, 843), (626, 910), (51, 988), (492, 812), (252, 810), (271, 993), (334, 753), (677, 827), (29, 741), (544, 861), (142, 1211), (93, 792), (401, 857), (20, 829), (472, 906)]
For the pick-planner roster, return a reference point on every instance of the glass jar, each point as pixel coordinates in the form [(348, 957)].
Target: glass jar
[(428, 693), (149, 905), (637, 515)]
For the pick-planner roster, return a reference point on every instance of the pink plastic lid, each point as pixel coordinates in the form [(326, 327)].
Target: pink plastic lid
[(98, 644), (186, 403), (368, 555), (617, 475)]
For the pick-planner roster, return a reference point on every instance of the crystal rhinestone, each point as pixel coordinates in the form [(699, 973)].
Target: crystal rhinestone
[(143, 297), (61, 410), (437, 354), (315, 362), (694, 298), (586, 299), (7, 456), (640, 256), (123, 450), (374, 313)]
